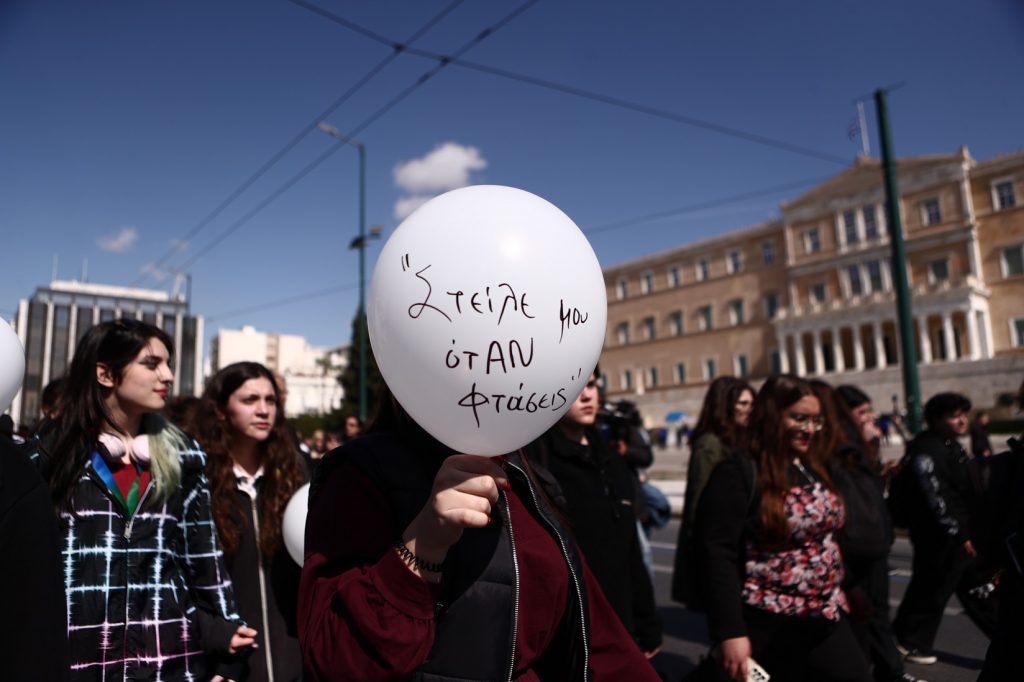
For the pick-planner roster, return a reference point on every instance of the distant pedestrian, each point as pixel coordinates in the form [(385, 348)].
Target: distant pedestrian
[(981, 446), (944, 556), (353, 427)]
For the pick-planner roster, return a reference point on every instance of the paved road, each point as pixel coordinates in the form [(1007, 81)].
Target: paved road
[(960, 646)]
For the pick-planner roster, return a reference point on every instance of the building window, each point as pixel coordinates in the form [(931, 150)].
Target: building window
[(931, 213), (652, 377), (768, 252), (622, 333), (675, 323), (704, 319), (1002, 194), (703, 269), (850, 227), (626, 380), (740, 366), (870, 223), (776, 362), (622, 289), (680, 372), (853, 276), (818, 292), (1013, 261), (650, 328), (812, 240), (771, 305), (709, 369), (938, 271), (675, 276), (733, 262), (875, 275), (1017, 332), (647, 282), (736, 312)]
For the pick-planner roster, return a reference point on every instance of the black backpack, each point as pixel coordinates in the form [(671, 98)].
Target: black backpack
[(902, 494)]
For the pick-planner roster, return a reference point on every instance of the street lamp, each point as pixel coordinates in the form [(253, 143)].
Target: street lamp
[(360, 244)]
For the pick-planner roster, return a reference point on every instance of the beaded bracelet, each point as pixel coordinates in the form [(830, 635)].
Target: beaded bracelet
[(415, 561)]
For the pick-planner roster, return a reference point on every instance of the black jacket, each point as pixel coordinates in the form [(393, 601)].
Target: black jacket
[(596, 493), (267, 594), (147, 596), (942, 485), (34, 641)]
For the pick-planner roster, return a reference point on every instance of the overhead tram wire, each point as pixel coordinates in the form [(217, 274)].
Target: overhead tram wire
[(298, 298), (482, 35), (713, 203), (397, 49), (602, 228), (585, 94)]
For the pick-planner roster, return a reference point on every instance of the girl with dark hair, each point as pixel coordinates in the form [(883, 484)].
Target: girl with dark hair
[(421, 563), (770, 564), (147, 592), (722, 421), (254, 469)]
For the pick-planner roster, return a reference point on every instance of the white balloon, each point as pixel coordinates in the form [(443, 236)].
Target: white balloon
[(487, 315), (293, 524), (12, 365)]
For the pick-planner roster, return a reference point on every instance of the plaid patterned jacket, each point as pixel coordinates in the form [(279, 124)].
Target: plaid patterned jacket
[(146, 596)]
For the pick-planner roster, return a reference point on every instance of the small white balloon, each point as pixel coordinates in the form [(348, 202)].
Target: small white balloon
[(487, 315), (293, 525), (12, 365)]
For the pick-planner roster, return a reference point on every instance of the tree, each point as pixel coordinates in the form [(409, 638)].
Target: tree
[(350, 376)]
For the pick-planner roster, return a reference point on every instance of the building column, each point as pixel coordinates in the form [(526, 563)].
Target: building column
[(971, 319), (837, 350), (819, 357), (947, 334), (782, 340), (926, 339), (985, 325), (801, 361), (880, 360), (858, 350)]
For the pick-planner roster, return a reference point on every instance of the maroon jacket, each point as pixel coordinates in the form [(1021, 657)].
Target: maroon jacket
[(364, 615)]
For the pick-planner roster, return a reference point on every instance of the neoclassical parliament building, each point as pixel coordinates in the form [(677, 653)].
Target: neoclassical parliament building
[(811, 293)]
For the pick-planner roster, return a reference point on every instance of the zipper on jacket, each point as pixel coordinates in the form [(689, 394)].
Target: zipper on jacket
[(572, 572), (127, 571), (263, 590), (515, 591)]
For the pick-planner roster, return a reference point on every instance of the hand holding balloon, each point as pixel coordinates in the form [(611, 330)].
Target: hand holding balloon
[(465, 489)]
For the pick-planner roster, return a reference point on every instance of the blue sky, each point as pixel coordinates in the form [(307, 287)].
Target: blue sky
[(125, 124)]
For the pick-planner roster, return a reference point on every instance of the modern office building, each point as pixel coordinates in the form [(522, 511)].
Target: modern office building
[(51, 322), (812, 292), (311, 373)]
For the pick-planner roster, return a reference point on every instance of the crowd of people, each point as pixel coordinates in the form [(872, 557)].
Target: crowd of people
[(150, 536)]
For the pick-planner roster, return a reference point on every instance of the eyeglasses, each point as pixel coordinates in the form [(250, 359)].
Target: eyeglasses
[(806, 422)]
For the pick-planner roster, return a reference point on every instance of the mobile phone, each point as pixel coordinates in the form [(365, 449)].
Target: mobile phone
[(755, 673)]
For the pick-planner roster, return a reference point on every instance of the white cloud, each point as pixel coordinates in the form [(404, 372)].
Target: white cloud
[(179, 245), (119, 242), (151, 270), (445, 167)]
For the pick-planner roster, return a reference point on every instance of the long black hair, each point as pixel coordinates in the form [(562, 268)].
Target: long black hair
[(83, 413), (718, 413)]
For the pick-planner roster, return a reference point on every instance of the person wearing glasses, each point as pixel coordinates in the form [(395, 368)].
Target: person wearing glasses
[(944, 556), (770, 564), (147, 593)]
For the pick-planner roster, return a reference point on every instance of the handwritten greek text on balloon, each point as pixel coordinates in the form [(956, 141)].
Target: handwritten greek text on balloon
[(517, 401), (569, 317), (416, 309), (496, 355), (480, 299)]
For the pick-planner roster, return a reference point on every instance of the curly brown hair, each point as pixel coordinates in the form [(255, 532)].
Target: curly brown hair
[(283, 470), (768, 445)]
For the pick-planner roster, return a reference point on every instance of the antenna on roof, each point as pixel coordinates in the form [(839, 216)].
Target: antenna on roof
[(53, 272)]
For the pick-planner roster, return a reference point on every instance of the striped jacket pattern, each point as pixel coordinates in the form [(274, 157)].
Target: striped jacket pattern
[(146, 595)]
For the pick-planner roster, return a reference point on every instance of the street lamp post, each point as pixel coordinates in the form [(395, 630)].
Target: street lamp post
[(360, 244)]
